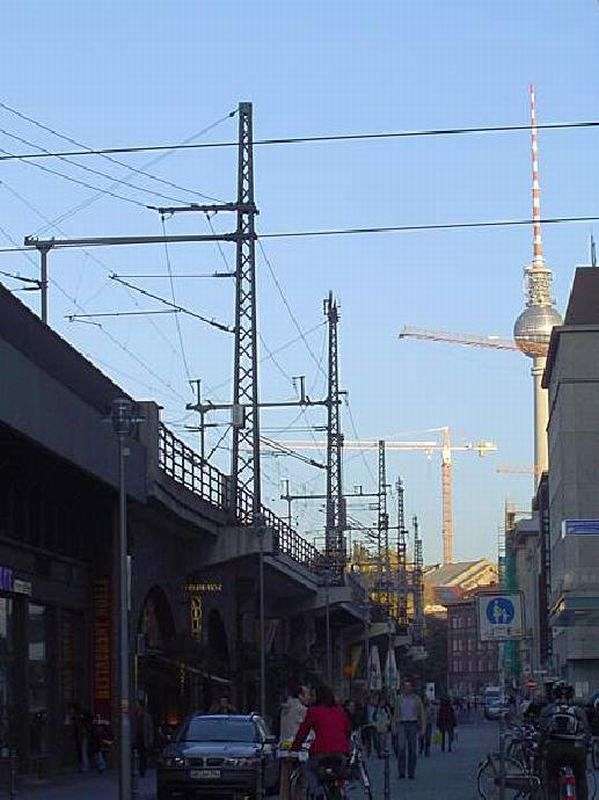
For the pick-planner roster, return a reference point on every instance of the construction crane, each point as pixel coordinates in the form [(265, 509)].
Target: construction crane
[(443, 445), (466, 339), (512, 469)]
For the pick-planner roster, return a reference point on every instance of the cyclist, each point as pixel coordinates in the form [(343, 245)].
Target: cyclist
[(565, 730), (331, 727)]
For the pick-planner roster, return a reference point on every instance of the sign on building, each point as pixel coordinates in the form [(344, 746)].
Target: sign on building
[(500, 616), (580, 527)]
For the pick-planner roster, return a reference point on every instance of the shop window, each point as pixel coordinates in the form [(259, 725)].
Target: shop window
[(6, 670), (38, 678)]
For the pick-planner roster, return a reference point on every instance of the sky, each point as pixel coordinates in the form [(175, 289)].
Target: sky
[(116, 74)]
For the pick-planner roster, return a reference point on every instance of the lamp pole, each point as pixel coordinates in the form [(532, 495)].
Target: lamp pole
[(123, 420), (261, 532)]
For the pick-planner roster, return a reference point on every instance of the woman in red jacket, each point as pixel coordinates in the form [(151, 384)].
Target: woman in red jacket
[(331, 727)]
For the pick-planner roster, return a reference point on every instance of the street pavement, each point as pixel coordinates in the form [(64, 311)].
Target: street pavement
[(442, 776)]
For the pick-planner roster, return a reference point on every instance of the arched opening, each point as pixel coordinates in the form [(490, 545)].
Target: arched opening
[(157, 675), (156, 623), (216, 637)]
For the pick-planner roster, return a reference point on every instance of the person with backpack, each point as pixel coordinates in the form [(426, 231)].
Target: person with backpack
[(446, 722), (565, 732)]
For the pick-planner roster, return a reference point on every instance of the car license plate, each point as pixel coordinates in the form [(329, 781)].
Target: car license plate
[(204, 774)]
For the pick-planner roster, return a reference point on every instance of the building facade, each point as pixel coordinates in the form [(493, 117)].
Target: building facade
[(572, 379), (472, 664)]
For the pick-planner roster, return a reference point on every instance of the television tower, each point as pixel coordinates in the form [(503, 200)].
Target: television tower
[(532, 329)]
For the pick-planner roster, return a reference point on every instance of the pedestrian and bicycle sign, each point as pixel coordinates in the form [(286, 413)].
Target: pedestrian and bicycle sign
[(500, 616)]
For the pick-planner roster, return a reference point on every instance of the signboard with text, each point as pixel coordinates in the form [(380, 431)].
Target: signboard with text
[(500, 616), (580, 527)]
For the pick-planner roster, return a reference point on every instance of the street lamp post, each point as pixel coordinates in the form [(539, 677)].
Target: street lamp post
[(123, 420), (328, 637), (261, 532)]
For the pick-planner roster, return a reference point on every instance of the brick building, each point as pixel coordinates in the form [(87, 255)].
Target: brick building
[(471, 664)]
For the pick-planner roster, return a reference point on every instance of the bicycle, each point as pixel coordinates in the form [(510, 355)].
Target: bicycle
[(520, 783), (357, 765)]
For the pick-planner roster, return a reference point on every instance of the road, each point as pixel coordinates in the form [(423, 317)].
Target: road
[(442, 776)]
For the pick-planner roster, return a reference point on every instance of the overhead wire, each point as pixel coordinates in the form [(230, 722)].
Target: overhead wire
[(124, 164), (316, 138), (70, 178), (73, 210), (91, 256), (177, 321), (213, 323), (92, 170)]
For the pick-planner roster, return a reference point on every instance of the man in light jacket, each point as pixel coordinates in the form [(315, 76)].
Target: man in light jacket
[(409, 722), (293, 711)]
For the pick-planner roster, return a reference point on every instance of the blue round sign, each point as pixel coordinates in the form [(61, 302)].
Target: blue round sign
[(500, 611)]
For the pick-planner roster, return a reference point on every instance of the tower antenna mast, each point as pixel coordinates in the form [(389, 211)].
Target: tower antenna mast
[(532, 329)]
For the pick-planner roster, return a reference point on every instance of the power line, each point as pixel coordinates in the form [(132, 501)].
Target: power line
[(338, 137), (67, 138), (177, 321), (70, 178), (70, 212), (90, 255), (503, 223), (183, 310), (91, 170)]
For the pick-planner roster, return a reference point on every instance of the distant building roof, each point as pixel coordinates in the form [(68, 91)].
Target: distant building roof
[(453, 574)]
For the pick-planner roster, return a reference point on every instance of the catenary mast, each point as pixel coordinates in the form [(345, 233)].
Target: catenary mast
[(532, 329)]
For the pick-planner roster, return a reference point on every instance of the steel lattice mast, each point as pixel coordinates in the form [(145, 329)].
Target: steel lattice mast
[(384, 565), (335, 519), (402, 557), (418, 586), (245, 453)]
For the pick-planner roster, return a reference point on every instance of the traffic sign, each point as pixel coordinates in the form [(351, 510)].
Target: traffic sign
[(500, 616)]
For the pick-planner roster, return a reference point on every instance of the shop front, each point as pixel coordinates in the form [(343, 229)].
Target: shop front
[(41, 674)]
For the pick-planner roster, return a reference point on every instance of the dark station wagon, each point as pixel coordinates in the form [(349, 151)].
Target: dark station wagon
[(219, 755)]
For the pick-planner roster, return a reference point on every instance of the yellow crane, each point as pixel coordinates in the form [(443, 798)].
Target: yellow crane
[(442, 444)]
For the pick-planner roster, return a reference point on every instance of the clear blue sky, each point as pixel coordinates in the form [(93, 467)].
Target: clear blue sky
[(113, 73)]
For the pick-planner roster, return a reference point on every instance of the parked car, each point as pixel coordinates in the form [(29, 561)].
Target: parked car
[(219, 754)]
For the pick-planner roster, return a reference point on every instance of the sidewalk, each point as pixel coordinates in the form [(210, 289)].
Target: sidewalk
[(88, 786)]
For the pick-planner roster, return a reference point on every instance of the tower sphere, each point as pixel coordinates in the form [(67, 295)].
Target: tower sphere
[(532, 329)]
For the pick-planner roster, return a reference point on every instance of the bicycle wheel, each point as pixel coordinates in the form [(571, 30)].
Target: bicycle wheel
[(365, 781), (488, 774), (592, 783)]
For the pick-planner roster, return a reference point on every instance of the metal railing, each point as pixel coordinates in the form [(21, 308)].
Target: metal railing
[(181, 463)]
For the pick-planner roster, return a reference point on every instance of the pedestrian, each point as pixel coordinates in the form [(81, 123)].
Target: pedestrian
[(369, 729), (101, 740), (430, 716), (222, 706), (293, 712), (446, 722), (383, 718), (409, 723), (81, 723), (143, 736)]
